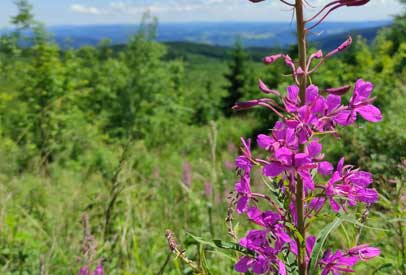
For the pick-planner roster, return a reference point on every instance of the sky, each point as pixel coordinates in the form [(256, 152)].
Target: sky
[(85, 12)]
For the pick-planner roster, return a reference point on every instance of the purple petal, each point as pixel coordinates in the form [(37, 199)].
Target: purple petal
[(281, 268), (333, 101), (362, 90), (370, 113), (243, 264), (273, 169), (345, 117), (361, 178), (284, 155), (314, 148), (317, 203), (325, 168), (264, 141), (99, 270), (310, 241), (312, 93), (255, 215), (340, 165), (307, 179), (334, 205), (367, 195), (242, 204)]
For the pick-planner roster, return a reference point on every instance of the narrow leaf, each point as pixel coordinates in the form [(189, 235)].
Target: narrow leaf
[(319, 245)]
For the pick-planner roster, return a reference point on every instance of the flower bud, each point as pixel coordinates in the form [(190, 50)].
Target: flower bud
[(352, 3), (339, 91), (299, 71), (265, 89), (345, 45), (251, 103), (272, 58)]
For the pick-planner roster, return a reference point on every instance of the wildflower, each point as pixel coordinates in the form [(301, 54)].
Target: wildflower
[(360, 103), (286, 160), (337, 263), (351, 186), (272, 222), (282, 136), (99, 270), (242, 187), (364, 252), (84, 271), (187, 174)]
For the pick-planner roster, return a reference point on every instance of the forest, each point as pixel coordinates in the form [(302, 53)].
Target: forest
[(102, 149)]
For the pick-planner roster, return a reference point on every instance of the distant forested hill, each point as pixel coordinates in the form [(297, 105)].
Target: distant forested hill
[(184, 50), (265, 34)]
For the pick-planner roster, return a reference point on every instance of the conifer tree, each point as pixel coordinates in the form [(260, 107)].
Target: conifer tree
[(238, 78)]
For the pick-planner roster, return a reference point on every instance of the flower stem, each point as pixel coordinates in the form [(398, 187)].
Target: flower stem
[(301, 40)]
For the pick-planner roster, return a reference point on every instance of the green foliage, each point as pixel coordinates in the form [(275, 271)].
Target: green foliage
[(239, 78)]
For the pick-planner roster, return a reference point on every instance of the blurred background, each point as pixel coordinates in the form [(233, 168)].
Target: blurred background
[(122, 110)]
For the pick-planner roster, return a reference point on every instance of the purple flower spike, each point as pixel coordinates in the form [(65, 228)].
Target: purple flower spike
[(84, 271), (292, 160), (99, 270), (242, 187)]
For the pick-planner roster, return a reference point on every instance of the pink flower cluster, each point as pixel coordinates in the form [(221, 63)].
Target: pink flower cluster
[(295, 153), (86, 271)]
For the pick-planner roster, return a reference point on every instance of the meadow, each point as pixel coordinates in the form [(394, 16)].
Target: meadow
[(140, 139)]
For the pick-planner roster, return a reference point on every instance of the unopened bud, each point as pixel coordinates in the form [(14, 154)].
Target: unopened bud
[(299, 71), (352, 3), (318, 54), (339, 91), (265, 89), (345, 45), (272, 58), (251, 103)]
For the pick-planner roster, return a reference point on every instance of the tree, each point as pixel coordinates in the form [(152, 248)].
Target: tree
[(24, 17), (238, 78)]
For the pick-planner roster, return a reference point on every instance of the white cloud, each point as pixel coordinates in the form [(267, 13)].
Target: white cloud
[(223, 10), (157, 7), (84, 9)]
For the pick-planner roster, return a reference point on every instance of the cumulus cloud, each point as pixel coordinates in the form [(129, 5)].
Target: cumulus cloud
[(219, 10), (84, 9), (158, 7)]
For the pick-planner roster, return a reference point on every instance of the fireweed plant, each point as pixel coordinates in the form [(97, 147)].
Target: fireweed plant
[(301, 181), (89, 246)]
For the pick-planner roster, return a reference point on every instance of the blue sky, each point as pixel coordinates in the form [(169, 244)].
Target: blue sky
[(79, 12)]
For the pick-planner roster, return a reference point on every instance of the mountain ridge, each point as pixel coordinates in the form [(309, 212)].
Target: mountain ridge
[(253, 34)]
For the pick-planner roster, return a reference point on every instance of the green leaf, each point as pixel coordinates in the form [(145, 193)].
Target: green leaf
[(318, 246), (382, 267), (222, 244), (233, 246), (295, 232)]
